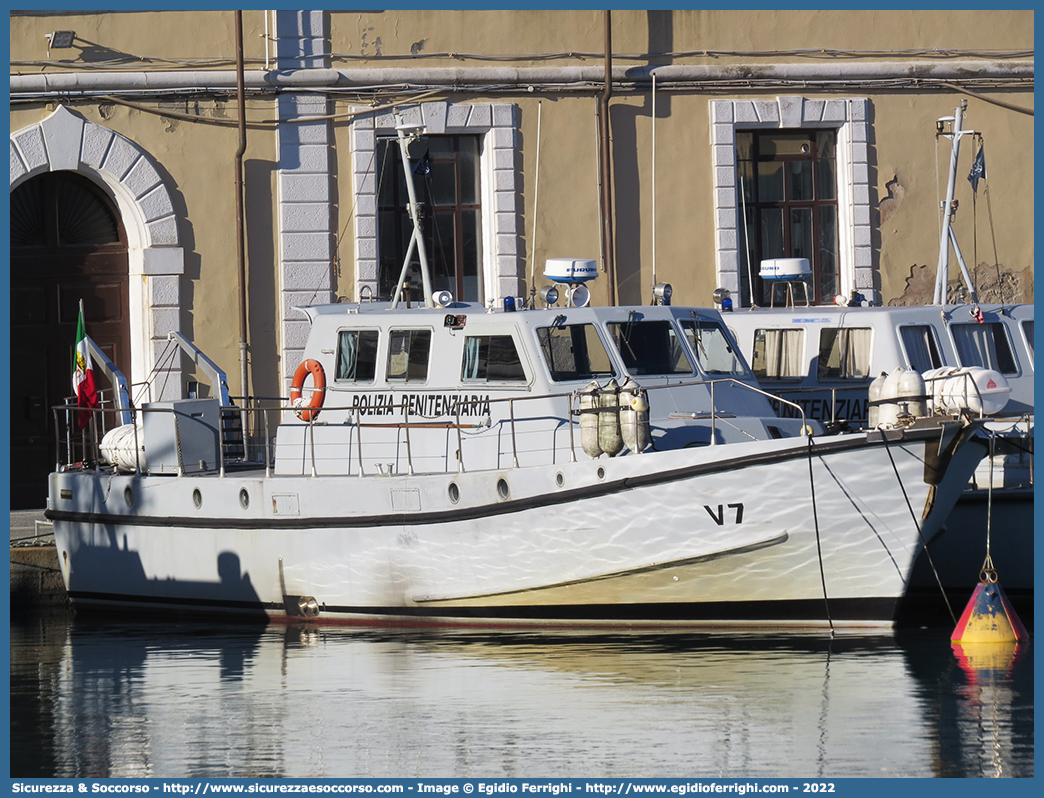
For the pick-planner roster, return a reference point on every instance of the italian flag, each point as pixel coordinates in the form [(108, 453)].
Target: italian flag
[(83, 374)]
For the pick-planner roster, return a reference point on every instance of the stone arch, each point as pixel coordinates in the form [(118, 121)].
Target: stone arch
[(67, 141)]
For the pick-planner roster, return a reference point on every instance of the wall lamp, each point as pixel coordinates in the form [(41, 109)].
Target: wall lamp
[(59, 40)]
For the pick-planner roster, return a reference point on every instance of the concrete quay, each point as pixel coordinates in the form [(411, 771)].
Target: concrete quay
[(36, 580)]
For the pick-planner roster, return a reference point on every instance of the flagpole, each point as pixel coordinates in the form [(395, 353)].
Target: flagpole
[(83, 374), (81, 331)]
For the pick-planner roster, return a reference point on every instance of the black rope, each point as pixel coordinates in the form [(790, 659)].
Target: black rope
[(819, 545), (996, 257), (920, 532), (988, 572), (170, 350)]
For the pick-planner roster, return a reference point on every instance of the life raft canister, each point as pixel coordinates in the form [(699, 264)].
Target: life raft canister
[(311, 410)]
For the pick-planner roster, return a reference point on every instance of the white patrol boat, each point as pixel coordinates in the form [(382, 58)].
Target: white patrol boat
[(850, 367), (461, 465)]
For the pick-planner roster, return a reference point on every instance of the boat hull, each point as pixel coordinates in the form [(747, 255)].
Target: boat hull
[(779, 532)]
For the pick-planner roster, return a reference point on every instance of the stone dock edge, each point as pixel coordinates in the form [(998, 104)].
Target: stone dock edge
[(36, 579)]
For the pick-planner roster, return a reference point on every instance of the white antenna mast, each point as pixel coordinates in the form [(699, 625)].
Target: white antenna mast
[(408, 134), (949, 210), (654, 180)]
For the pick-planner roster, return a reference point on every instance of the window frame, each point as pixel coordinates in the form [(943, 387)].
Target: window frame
[(1026, 328), (788, 378), (589, 327), (993, 326), (434, 212), (376, 355), (726, 335), (679, 345), (849, 117), (935, 345), (406, 379), (500, 178), (524, 379), (845, 332)]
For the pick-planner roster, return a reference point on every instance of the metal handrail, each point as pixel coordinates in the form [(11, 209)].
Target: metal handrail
[(410, 425), (406, 424), (864, 386)]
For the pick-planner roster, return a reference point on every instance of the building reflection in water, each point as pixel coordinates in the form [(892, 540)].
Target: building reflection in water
[(93, 699)]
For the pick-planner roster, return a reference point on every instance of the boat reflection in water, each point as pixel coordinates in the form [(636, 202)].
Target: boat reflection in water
[(131, 700), (988, 669)]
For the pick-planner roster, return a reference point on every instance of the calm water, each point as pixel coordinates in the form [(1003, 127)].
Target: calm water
[(94, 699)]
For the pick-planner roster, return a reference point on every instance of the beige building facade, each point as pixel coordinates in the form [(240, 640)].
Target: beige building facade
[(733, 136)]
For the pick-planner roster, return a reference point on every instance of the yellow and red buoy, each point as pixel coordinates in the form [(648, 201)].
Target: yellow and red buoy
[(989, 616)]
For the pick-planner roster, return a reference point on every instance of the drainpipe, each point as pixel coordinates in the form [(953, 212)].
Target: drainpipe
[(240, 219), (606, 163), (741, 77)]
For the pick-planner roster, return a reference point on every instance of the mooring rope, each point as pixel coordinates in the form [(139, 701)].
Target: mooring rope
[(920, 532), (819, 545), (988, 574)]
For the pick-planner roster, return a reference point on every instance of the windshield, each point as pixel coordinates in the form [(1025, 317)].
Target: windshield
[(649, 347), (574, 352), (714, 348)]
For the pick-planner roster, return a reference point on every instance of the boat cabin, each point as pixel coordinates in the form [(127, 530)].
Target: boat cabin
[(464, 387), (825, 358)]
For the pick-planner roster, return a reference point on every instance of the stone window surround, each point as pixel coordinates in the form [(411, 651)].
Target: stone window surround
[(156, 260), (496, 124), (847, 116)]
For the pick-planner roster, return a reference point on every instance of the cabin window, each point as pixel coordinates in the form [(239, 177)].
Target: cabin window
[(984, 345), (574, 352), (446, 181), (779, 354), (356, 355), (491, 358), (1027, 331), (714, 348), (408, 352), (649, 347), (921, 347), (844, 354)]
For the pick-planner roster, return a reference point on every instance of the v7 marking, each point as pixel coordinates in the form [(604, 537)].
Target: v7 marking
[(719, 517)]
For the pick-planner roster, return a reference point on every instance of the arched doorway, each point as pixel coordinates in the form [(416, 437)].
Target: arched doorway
[(67, 243)]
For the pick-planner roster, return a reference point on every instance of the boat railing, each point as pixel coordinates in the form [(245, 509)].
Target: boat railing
[(572, 397), (258, 440), (82, 447), (965, 385), (243, 434)]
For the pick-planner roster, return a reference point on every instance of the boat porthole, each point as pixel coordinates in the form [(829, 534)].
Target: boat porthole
[(128, 496), (454, 492), (559, 479), (244, 498), (601, 472), (197, 498), (502, 488)]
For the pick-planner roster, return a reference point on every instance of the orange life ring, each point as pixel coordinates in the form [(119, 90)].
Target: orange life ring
[(311, 410)]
